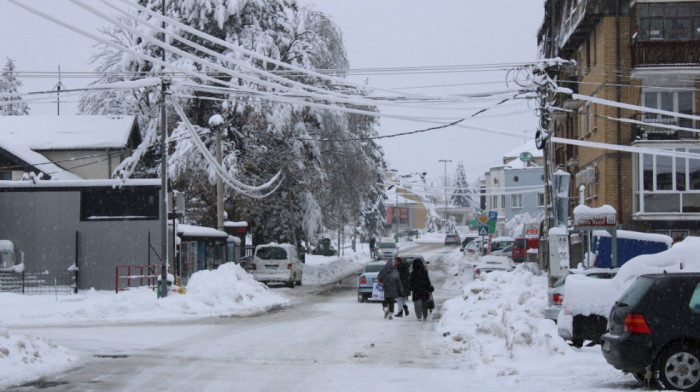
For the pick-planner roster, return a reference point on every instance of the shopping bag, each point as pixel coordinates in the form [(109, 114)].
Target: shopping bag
[(378, 291), (430, 303)]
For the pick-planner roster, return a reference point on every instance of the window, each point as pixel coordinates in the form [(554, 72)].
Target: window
[(669, 184), (668, 21), (494, 202), (124, 203), (503, 201), (672, 101), (540, 199), (516, 201), (695, 300), (5, 176)]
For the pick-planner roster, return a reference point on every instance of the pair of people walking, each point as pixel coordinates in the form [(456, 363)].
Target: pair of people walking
[(399, 283)]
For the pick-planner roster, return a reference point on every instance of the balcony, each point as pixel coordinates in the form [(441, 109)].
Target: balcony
[(649, 131), (666, 53)]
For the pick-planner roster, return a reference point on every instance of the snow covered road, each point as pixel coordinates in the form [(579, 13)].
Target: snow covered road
[(326, 341)]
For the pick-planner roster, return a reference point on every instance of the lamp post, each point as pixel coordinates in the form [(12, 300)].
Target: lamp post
[(445, 162)]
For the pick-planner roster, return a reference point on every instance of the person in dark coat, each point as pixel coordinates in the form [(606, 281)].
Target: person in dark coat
[(421, 288), (389, 277), (405, 276), (372, 244)]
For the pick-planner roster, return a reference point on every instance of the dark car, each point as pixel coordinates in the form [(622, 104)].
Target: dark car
[(653, 331), (452, 239)]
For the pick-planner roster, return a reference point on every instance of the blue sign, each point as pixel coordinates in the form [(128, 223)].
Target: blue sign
[(483, 230), (493, 215)]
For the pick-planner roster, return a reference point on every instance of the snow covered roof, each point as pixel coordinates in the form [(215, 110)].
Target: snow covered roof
[(79, 183), (199, 231), (235, 224), (38, 161), (66, 132)]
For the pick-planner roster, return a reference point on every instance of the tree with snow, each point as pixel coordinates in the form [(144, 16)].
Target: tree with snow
[(11, 103), (323, 183), (461, 192)]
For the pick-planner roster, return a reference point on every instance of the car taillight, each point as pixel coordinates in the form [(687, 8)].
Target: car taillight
[(558, 298), (635, 323), (289, 266), (363, 280), (478, 271)]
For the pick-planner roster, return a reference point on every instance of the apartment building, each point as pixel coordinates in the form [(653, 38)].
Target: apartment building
[(640, 53)]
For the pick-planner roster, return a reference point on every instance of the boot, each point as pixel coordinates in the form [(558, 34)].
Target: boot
[(386, 312), (399, 314), (405, 310)]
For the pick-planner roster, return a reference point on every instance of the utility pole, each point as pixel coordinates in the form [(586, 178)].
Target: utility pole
[(58, 92), (445, 161), (219, 184), (163, 178)]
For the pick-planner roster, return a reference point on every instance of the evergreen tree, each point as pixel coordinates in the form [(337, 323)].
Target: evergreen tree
[(12, 105), (461, 193)]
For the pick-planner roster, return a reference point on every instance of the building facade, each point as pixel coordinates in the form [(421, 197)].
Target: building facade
[(629, 55)]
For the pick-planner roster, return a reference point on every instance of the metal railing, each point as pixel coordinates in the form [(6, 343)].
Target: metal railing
[(39, 282), (127, 276)]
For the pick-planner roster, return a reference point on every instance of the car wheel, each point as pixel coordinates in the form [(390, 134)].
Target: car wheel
[(361, 298), (678, 367), (291, 283)]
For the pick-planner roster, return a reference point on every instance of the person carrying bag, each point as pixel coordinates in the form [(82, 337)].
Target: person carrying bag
[(422, 290)]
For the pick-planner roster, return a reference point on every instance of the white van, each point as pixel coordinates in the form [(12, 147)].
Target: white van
[(277, 263)]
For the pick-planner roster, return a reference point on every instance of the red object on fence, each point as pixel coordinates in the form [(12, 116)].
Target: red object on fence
[(150, 276)]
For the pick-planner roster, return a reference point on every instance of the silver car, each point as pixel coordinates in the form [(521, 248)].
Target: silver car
[(366, 280), (386, 250), (555, 294)]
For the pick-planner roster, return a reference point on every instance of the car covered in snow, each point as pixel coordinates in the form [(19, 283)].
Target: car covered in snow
[(493, 263), (555, 294), (587, 302), (277, 263), (452, 239)]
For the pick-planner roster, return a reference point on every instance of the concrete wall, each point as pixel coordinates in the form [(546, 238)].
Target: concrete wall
[(43, 222)]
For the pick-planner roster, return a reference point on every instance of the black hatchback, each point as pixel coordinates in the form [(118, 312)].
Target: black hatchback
[(654, 331)]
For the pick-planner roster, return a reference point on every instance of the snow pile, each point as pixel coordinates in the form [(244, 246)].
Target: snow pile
[(499, 319), (333, 270), (597, 296), (226, 291), (35, 356)]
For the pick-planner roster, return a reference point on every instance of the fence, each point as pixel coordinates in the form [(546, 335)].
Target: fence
[(39, 282), (144, 275)]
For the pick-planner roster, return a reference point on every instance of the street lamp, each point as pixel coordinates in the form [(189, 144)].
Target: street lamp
[(445, 161)]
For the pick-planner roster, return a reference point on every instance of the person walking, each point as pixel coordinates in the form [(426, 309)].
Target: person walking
[(389, 277), (372, 244), (405, 276), (421, 288)]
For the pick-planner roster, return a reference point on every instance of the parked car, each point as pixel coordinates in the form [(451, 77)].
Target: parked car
[(467, 240), (277, 263), (499, 243), (386, 250), (408, 259), (555, 294), (366, 280), (472, 248), (452, 239), (653, 331), (492, 263), (507, 251)]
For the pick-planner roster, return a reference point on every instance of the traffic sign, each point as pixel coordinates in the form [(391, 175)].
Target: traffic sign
[(493, 215), (483, 230), (483, 218)]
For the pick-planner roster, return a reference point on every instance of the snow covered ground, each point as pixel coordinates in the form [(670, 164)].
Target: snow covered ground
[(491, 329)]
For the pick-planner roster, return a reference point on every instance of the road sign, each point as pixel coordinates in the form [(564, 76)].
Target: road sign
[(483, 218), (493, 215), (483, 230)]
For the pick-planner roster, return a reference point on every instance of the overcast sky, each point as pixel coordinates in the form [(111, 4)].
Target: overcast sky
[(395, 34)]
